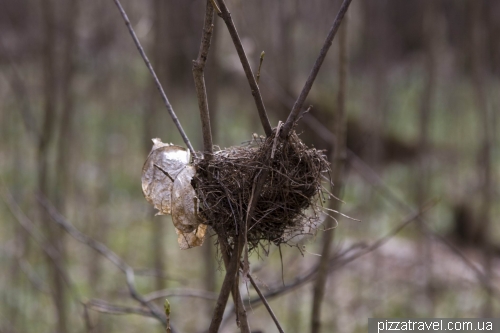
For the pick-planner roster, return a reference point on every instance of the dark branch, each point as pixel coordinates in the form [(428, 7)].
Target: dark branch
[(157, 82), (226, 16), (199, 80), (266, 304), (297, 107)]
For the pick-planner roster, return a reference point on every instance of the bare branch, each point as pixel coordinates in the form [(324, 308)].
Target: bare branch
[(165, 293), (297, 107), (261, 60), (108, 308), (107, 253), (38, 237), (226, 16), (241, 315), (199, 80), (337, 261), (266, 304), (227, 286), (157, 82), (232, 269)]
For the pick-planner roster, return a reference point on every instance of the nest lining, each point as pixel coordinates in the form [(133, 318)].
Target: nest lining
[(223, 187)]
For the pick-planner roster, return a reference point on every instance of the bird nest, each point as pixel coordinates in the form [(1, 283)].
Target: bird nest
[(288, 203)]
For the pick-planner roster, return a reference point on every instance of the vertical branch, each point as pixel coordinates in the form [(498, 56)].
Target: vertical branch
[(337, 157), (46, 138), (199, 80), (226, 16), (237, 300), (297, 107), (155, 78), (232, 269)]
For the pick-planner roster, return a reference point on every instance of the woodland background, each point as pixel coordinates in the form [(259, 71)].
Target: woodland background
[(78, 109)]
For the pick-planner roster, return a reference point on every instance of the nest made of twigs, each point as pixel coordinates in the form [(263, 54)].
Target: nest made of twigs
[(287, 203)]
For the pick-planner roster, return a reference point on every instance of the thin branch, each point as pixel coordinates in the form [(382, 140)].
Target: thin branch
[(105, 252), (199, 80), (241, 315), (157, 82), (226, 16), (227, 287), (232, 269), (165, 293), (261, 60), (37, 236), (108, 308), (266, 304), (297, 107), (337, 261)]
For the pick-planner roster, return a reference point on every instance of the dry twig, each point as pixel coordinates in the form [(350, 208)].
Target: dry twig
[(226, 16), (199, 80), (157, 82), (297, 107), (105, 252)]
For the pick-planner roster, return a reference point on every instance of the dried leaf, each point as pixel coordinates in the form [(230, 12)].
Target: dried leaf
[(191, 239), (163, 165), (183, 201)]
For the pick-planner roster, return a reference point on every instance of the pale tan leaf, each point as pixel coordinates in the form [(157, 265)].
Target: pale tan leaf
[(191, 239), (183, 201), (164, 163)]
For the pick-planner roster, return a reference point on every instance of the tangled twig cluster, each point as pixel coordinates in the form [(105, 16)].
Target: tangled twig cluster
[(224, 185)]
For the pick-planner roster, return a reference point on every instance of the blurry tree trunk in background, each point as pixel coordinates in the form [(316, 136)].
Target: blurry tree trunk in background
[(378, 36), (151, 130), (478, 59), (337, 160), (429, 31), (54, 234), (63, 163), (181, 24)]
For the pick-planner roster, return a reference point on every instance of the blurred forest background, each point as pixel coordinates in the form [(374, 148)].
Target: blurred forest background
[(79, 109)]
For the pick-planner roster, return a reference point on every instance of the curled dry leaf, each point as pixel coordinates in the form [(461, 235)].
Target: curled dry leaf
[(166, 184), (164, 163), (183, 201), (191, 239)]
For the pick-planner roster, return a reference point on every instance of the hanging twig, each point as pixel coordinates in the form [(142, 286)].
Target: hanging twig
[(226, 16), (297, 107), (199, 80), (157, 82)]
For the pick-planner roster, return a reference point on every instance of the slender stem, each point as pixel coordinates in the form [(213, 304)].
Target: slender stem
[(199, 80), (227, 287), (232, 269), (157, 82), (105, 252), (237, 300), (266, 304), (260, 66), (292, 117), (337, 159), (226, 16)]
